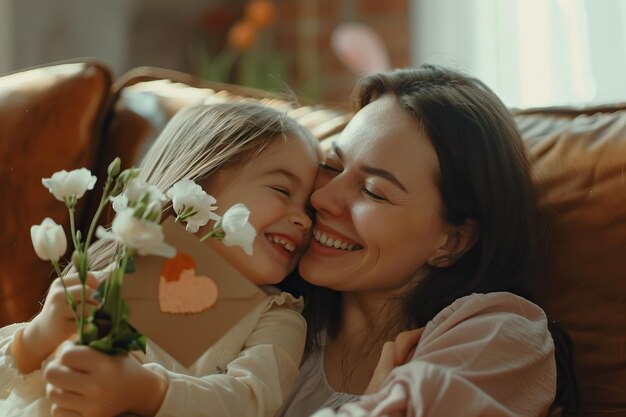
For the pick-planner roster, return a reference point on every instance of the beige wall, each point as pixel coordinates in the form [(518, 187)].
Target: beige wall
[(6, 36)]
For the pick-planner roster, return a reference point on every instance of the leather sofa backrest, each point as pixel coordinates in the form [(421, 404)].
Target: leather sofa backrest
[(50, 119), (579, 164)]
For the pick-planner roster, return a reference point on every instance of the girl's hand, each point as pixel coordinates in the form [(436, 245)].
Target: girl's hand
[(393, 354), (85, 382), (54, 324)]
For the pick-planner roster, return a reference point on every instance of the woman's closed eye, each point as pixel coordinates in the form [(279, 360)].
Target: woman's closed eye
[(372, 194)]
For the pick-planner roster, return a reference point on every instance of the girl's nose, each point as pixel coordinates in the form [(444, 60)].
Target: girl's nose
[(301, 220)]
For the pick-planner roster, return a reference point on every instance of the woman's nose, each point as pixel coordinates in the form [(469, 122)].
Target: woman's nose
[(329, 197)]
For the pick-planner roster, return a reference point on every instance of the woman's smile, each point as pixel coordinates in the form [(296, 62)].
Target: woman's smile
[(328, 238)]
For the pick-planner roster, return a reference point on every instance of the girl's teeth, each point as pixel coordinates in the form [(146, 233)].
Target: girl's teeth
[(282, 242)]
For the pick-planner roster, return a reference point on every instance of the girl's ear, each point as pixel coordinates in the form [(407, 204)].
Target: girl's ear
[(460, 240)]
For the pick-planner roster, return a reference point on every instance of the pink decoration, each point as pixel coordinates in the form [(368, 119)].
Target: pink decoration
[(359, 48)]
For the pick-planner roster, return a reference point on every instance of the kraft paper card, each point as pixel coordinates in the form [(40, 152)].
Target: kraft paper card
[(187, 303)]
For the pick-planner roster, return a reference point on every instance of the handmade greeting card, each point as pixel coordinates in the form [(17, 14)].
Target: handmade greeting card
[(186, 303)]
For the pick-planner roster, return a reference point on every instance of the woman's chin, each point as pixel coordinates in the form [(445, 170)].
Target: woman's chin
[(313, 271)]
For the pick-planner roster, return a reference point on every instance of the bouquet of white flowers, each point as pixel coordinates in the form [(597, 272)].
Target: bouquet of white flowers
[(136, 230)]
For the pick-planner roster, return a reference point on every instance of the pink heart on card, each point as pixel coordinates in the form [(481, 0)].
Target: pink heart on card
[(181, 291)]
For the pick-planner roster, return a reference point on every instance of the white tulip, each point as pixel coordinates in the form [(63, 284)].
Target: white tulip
[(187, 197), (142, 235), (133, 192), (238, 231), (64, 185), (49, 240)]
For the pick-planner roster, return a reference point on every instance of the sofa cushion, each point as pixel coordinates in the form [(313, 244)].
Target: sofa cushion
[(579, 163), (50, 119)]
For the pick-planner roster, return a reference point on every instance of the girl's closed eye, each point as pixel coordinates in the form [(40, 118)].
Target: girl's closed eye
[(280, 189), (327, 167)]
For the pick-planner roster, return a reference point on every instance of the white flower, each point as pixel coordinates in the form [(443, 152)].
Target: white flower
[(238, 232), (120, 202), (65, 184), (135, 189), (142, 235), (49, 240), (187, 197)]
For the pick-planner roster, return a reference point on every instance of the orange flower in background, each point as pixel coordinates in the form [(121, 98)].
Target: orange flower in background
[(261, 12), (242, 35), (246, 55)]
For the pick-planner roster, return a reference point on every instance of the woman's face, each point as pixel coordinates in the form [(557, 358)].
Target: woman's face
[(378, 209)]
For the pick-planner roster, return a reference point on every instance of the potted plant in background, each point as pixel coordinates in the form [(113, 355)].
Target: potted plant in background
[(247, 57)]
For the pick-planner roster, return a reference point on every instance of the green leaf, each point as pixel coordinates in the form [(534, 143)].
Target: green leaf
[(99, 293), (104, 345), (90, 334)]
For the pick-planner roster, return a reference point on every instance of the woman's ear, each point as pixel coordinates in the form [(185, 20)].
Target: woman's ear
[(460, 240)]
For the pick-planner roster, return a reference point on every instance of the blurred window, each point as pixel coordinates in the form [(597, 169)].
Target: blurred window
[(531, 52)]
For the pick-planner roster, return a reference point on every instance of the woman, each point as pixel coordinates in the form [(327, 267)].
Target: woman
[(426, 218)]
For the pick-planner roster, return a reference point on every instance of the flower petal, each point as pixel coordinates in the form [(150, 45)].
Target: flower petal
[(65, 184), (49, 240), (187, 196), (237, 230)]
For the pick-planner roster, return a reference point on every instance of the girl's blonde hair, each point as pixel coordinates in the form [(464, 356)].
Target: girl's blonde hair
[(201, 140)]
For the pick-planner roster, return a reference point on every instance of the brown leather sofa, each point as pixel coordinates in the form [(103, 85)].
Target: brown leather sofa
[(72, 114)]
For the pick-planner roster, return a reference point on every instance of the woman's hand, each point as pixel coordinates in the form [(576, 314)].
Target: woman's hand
[(85, 382), (54, 324), (393, 354)]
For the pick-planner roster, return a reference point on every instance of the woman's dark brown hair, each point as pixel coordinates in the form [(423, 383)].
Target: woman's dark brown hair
[(484, 174)]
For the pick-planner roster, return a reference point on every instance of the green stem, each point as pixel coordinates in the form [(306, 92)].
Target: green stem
[(73, 226), (213, 233), (119, 302), (81, 321), (69, 297), (103, 200)]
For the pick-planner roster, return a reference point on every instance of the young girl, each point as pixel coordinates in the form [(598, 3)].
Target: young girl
[(240, 153)]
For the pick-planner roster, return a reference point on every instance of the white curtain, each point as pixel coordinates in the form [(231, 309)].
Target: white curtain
[(531, 52)]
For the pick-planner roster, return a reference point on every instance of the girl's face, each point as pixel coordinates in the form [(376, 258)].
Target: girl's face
[(378, 209), (275, 186)]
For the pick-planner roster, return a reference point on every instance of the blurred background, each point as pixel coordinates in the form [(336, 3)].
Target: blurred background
[(531, 52)]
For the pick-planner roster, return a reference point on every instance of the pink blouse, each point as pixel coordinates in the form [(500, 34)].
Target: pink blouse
[(484, 355)]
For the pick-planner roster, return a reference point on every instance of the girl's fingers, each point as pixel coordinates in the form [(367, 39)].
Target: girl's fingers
[(393, 354), (72, 279), (66, 379), (80, 358), (387, 359), (384, 367), (92, 281), (59, 375), (405, 343), (77, 293), (63, 398), (57, 411)]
